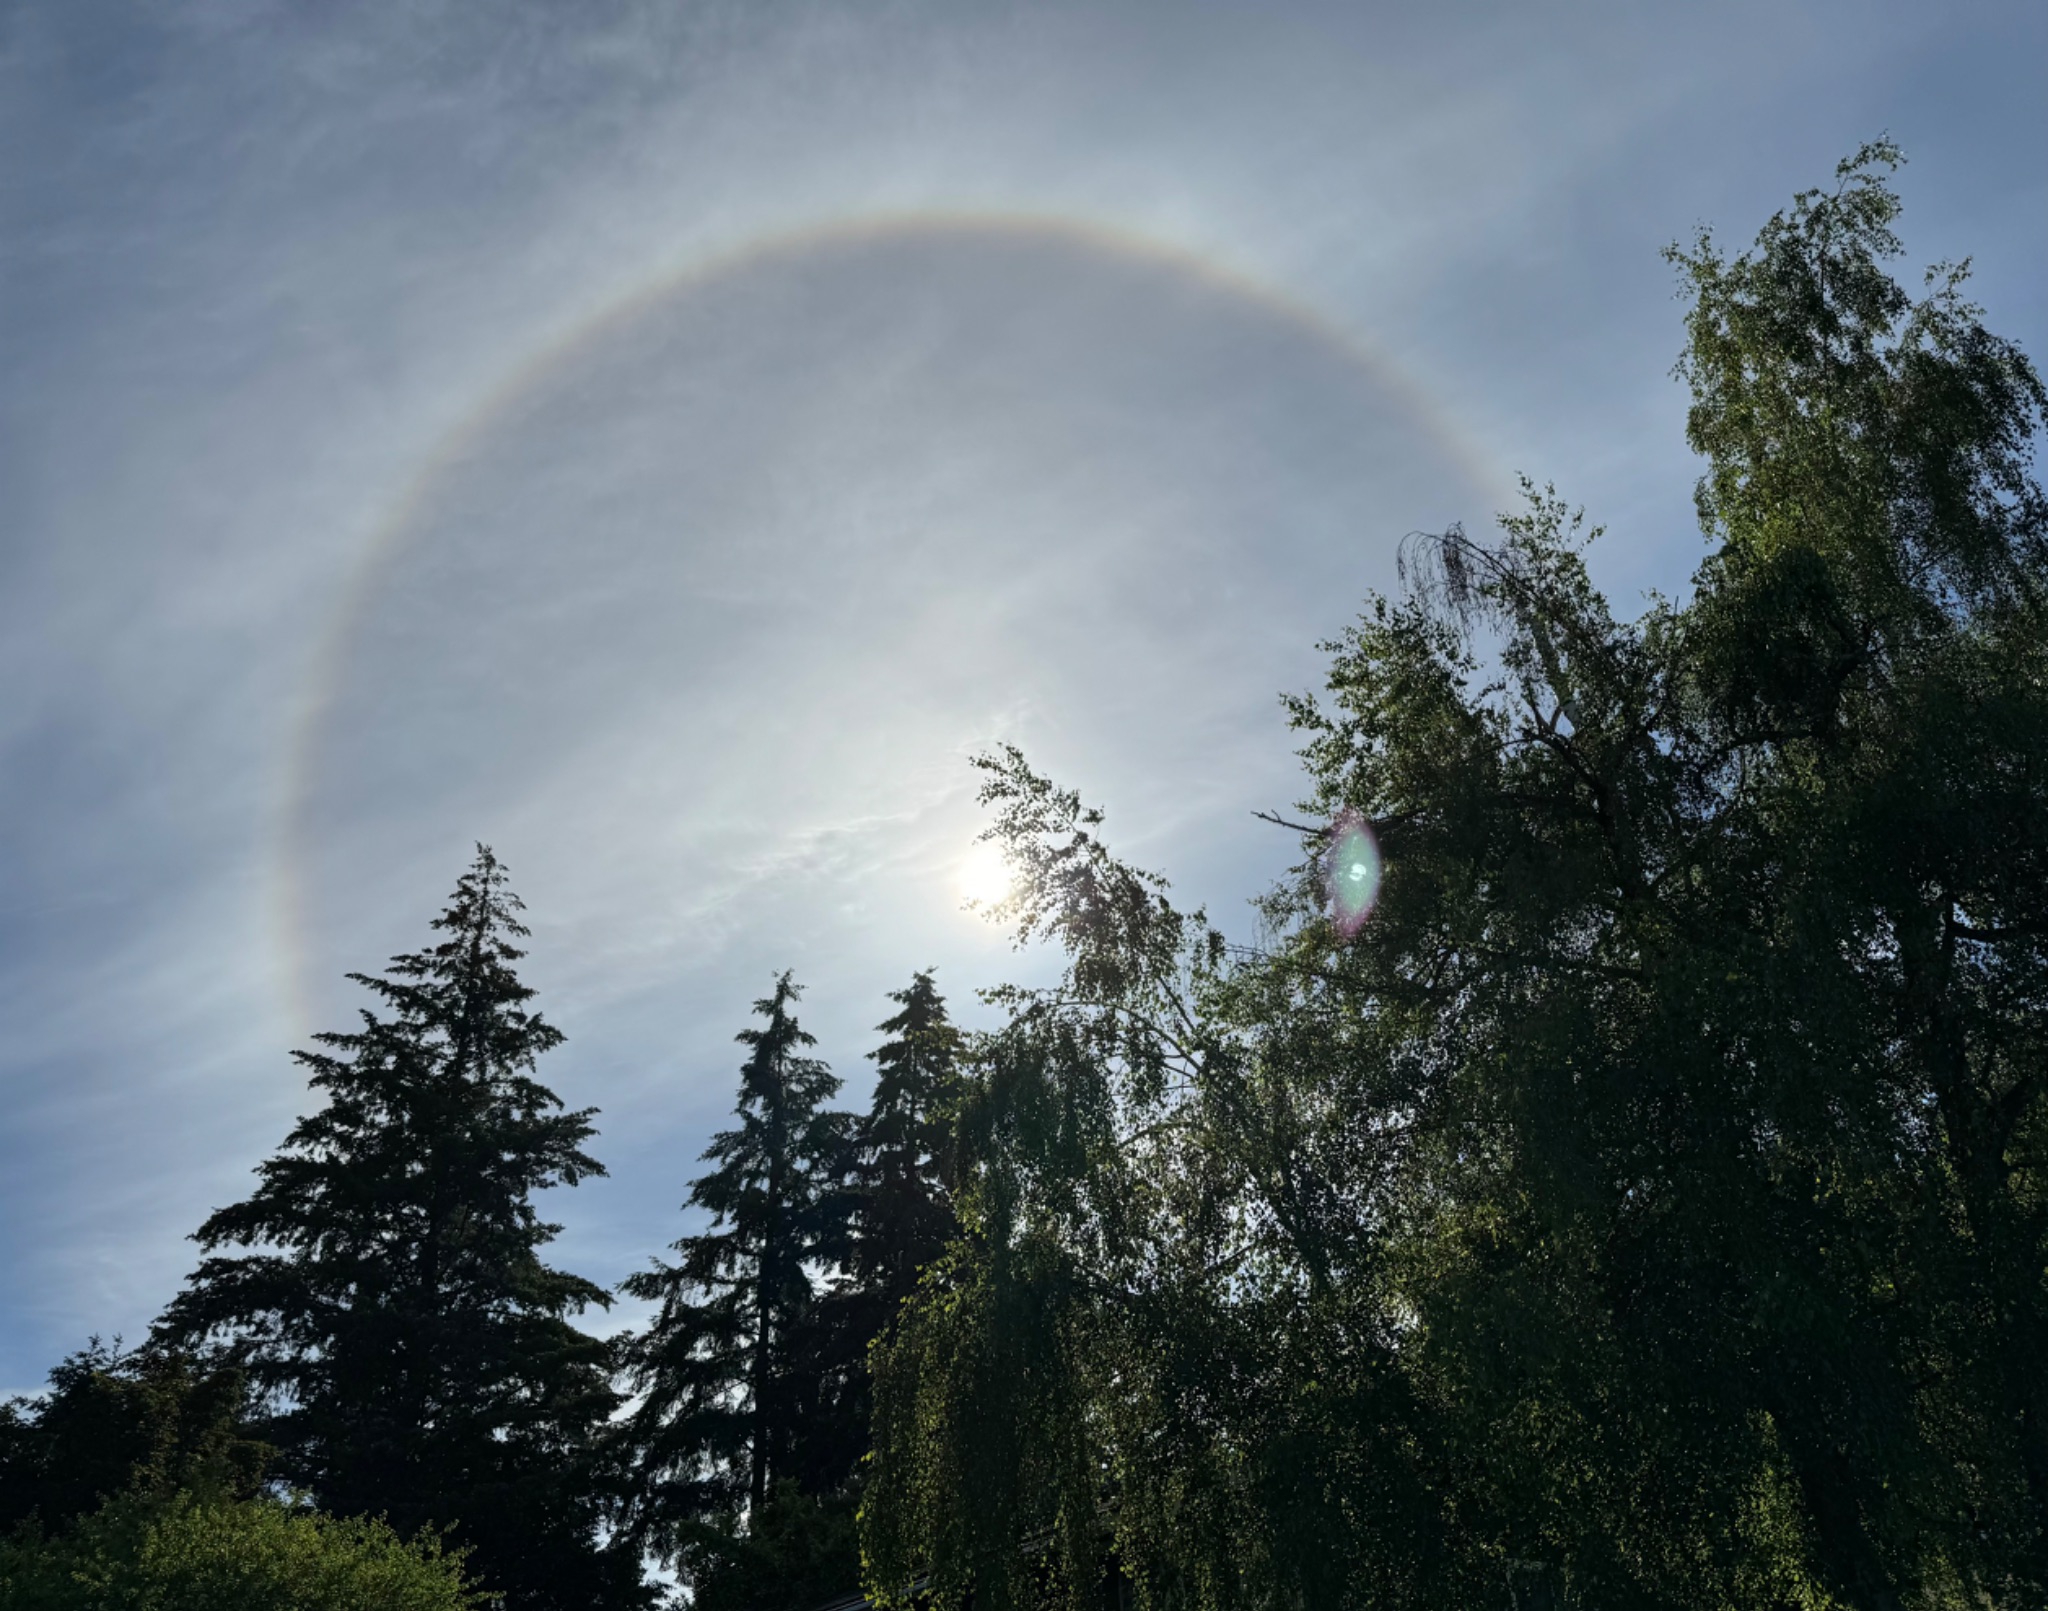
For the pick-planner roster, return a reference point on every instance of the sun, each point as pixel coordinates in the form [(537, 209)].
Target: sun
[(984, 875)]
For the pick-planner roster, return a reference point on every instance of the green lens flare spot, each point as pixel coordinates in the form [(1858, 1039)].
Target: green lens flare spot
[(1351, 872)]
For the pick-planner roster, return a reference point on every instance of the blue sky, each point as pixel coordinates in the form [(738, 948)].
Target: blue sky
[(666, 440)]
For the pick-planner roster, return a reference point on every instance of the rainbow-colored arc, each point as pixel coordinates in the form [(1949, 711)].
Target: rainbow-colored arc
[(386, 541)]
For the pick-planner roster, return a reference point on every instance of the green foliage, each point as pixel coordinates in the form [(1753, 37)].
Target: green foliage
[(796, 1552), (146, 1421), (186, 1554), (983, 1402), (417, 1349), (1646, 1207), (1886, 441)]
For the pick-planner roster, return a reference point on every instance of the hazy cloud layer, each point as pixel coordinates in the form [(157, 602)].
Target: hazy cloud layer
[(312, 571)]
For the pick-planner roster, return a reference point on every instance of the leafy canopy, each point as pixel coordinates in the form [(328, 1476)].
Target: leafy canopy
[(184, 1554), (1646, 1206)]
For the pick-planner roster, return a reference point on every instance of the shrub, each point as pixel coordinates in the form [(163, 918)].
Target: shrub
[(186, 1554)]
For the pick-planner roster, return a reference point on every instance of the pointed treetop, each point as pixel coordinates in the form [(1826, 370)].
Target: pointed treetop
[(781, 1031)]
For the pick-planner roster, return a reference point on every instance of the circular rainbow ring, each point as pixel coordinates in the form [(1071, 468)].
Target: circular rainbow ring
[(388, 537)]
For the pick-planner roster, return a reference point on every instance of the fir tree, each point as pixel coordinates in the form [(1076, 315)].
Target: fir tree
[(897, 1218), (393, 1300), (728, 1367), (903, 1215)]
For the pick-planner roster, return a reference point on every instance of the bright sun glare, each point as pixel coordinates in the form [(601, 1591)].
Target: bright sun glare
[(985, 874)]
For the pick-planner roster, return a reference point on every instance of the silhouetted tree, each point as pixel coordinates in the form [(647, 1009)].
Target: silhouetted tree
[(145, 1421), (729, 1365), (902, 1212), (1648, 1205), (396, 1306), (898, 1217)]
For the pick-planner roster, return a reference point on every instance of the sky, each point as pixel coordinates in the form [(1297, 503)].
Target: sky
[(667, 441)]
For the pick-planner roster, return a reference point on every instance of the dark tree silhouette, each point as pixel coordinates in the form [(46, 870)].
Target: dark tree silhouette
[(393, 1301), (112, 1423), (729, 1365), (902, 1212), (1648, 1205)]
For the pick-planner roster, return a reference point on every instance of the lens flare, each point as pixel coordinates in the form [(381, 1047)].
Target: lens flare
[(1351, 872)]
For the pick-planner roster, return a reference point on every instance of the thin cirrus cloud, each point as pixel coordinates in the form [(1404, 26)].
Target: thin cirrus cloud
[(703, 610), (665, 441)]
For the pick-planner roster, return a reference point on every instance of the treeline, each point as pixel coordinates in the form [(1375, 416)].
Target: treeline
[(376, 1327), (1619, 1176)]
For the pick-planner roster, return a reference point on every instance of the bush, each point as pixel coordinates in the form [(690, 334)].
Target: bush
[(251, 1555)]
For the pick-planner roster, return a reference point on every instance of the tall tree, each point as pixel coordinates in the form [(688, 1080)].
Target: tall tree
[(1646, 1205), (896, 1211), (902, 1217), (728, 1365), (394, 1300)]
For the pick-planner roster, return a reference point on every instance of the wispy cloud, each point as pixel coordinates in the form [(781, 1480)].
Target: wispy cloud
[(698, 626)]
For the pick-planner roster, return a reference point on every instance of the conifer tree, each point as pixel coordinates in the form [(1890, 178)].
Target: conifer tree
[(390, 1294), (897, 1218), (902, 1213), (728, 1366)]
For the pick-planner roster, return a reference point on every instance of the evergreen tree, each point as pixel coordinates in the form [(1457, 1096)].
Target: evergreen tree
[(394, 1301), (897, 1217), (729, 1365), (902, 1213)]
